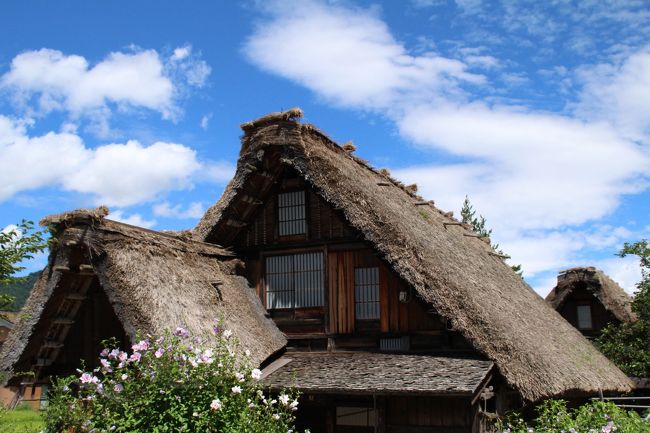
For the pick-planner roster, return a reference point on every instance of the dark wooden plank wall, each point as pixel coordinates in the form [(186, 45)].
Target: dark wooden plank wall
[(428, 414), (323, 223)]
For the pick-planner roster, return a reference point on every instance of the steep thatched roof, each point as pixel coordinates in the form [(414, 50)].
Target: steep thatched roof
[(536, 351), (606, 290), (153, 281), (368, 373)]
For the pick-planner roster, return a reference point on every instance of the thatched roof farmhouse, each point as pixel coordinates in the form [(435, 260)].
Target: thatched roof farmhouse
[(356, 291), (588, 299)]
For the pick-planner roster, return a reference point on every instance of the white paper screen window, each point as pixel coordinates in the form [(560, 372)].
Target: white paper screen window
[(584, 317), (366, 293), (295, 281)]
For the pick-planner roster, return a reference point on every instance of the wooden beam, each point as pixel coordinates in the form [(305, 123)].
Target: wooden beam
[(384, 184), (251, 167), (251, 200), (52, 345), (453, 223), (423, 203), (63, 321), (235, 223), (61, 268), (472, 235), (70, 243), (76, 297), (265, 174), (86, 269)]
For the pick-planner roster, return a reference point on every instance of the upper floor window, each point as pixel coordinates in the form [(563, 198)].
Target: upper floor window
[(295, 281), (366, 293), (584, 317), (291, 213)]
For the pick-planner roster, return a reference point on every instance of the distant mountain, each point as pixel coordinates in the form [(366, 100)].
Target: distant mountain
[(21, 289)]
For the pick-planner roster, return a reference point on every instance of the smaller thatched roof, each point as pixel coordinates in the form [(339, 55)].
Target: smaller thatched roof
[(606, 290), (369, 373), (153, 281)]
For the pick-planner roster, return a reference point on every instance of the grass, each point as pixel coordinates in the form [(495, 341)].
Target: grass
[(20, 420)]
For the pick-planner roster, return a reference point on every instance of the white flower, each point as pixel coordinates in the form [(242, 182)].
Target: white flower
[(247, 352), (276, 416), (294, 405), (236, 389), (239, 376), (216, 404), (284, 399), (125, 376), (256, 374), (227, 334)]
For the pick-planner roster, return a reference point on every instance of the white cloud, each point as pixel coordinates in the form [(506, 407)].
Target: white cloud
[(205, 121), (134, 79), (526, 170), (619, 92), (69, 82), (113, 174), (130, 173), (165, 209), (357, 63), (133, 219)]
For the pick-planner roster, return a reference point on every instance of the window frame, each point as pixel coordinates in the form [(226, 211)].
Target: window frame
[(591, 317), (377, 298), (278, 223), (293, 253)]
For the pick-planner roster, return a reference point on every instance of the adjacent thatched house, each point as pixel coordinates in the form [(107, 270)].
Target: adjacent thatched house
[(108, 279), (590, 300), (396, 316)]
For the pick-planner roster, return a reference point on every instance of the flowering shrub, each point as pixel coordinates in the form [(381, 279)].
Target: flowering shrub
[(594, 417), (170, 383)]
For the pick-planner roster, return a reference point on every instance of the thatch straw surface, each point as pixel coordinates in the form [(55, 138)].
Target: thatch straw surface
[(538, 352), (606, 290), (155, 281)]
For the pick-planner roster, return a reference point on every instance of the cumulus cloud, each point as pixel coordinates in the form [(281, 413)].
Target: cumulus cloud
[(118, 174), (165, 209), (142, 79)]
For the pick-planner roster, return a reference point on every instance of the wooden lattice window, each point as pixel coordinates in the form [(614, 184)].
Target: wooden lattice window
[(366, 293), (291, 213), (295, 281)]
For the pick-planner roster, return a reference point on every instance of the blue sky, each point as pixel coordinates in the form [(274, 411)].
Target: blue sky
[(539, 111)]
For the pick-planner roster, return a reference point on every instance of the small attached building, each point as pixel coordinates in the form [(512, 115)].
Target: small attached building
[(590, 300)]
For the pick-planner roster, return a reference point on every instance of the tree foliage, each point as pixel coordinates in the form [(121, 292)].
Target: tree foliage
[(628, 344), (478, 223), (17, 245)]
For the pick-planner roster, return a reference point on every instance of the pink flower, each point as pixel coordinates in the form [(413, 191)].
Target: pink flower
[(122, 356), (256, 374), (104, 353), (106, 366), (159, 352), (141, 346), (216, 404), (118, 387), (88, 378), (181, 332), (135, 357)]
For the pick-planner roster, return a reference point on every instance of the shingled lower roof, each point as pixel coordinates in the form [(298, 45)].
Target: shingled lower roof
[(535, 349), (154, 281), (607, 291), (368, 373)]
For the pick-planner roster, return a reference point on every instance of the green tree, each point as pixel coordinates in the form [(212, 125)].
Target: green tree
[(17, 245), (628, 344), (478, 224)]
